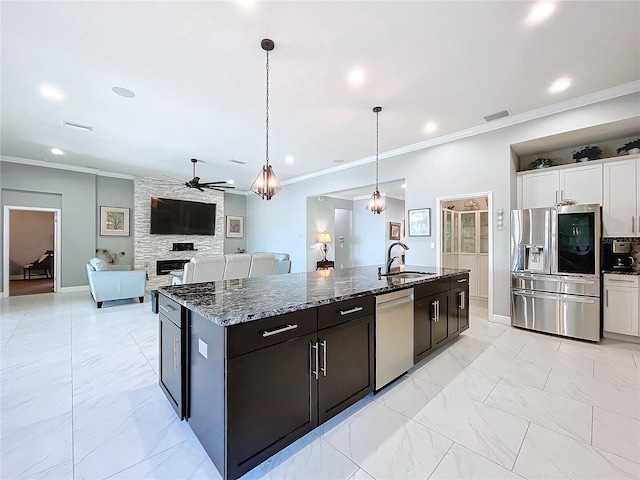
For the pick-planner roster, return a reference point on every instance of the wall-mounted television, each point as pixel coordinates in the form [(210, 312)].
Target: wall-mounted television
[(182, 217)]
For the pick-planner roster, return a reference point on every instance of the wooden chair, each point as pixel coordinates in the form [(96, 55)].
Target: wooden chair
[(42, 264)]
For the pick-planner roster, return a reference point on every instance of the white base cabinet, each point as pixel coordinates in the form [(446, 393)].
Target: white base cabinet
[(620, 311)]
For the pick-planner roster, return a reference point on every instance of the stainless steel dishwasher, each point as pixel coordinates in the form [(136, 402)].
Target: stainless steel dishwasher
[(394, 335)]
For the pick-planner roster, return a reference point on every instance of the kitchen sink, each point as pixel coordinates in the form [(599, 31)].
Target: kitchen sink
[(407, 274)]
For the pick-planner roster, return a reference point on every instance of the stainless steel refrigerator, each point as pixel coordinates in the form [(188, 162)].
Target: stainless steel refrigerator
[(555, 270)]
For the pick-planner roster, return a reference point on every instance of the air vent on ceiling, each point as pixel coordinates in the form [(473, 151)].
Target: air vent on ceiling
[(79, 126), (239, 162), (497, 115)]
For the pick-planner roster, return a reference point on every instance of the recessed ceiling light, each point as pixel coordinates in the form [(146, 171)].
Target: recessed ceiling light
[(230, 181), (57, 151), (430, 127), (404, 185), (356, 76), (52, 93), (288, 159), (560, 85), (247, 3), (540, 12), (123, 92)]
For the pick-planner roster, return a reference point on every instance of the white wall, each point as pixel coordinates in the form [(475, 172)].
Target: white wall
[(482, 163)]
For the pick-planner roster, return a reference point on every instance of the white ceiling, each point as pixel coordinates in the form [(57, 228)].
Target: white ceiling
[(198, 72)]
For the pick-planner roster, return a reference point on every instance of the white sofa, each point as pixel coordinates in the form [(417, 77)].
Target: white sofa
[(284, 262), (202, 269), (233, 266)]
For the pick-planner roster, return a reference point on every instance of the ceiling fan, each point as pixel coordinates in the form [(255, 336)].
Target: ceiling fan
[(195, 181)]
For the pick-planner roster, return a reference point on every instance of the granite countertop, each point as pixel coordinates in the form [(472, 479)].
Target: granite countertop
[(230, 302), (618, 272)]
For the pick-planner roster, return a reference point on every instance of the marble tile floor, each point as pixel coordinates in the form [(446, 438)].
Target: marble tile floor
[(80, 400)]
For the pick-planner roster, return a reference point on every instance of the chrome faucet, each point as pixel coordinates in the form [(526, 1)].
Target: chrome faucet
[(390, 259)]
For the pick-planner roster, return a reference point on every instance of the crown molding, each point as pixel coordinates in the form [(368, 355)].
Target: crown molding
[(596, 97), (64, 166)]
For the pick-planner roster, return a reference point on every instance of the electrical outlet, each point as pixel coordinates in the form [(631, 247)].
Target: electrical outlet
[(203, 348)]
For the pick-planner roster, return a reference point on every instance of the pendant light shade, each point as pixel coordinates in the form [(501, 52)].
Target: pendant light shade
[(377, 203), (266, 184)]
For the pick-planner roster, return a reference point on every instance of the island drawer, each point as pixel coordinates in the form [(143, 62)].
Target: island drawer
[(170, 309), (431, 288), (340, 312), (250, 336), (460, 281)]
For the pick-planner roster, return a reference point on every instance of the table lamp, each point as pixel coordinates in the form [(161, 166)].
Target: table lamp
[(324, 239)]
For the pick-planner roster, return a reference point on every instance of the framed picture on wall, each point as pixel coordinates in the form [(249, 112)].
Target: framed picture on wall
[(394, 231), (114, 221), (420, 222), (235, 226)]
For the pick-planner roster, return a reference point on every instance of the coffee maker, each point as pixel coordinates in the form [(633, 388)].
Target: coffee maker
[(617, 257)]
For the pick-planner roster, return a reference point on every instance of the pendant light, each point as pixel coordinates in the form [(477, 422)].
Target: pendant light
[(266, 184), (377, 203)]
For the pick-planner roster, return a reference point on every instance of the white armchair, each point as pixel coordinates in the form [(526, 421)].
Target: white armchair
[(114, 282)]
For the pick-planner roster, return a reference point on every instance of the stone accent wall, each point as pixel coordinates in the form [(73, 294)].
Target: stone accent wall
[(150, 248)]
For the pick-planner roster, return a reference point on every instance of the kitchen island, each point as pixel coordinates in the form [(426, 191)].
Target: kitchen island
[(254, 364)]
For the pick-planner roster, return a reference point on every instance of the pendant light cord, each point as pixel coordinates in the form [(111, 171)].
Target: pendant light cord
[(377, 114), (267, 114)]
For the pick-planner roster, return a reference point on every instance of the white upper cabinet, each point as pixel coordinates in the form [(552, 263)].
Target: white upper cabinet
[(544, 189), (621, 207)]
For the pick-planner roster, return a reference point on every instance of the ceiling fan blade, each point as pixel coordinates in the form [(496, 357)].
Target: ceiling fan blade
[(212, 183), (216, 187)]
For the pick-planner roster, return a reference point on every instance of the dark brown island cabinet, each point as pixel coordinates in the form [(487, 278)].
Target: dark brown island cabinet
[(440, 313), (251, 389), (258, 386)]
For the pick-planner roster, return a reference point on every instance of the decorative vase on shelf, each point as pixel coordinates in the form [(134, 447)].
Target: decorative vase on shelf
[(633, 151), (583, 159)]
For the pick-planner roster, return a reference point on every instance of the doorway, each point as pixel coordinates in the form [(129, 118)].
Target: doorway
[(32, 237), (466, 240)]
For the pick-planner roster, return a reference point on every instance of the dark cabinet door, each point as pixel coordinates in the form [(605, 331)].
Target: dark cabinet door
[(171, 363), (439, 313), (460, 308), (271, 401), (422, 319), (345, 354)]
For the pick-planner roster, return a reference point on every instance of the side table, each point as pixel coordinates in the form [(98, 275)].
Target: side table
[(322, 264)]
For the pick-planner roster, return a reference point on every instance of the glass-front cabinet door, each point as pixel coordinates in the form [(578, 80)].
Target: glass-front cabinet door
[(456, 232), (468, 232), (447, 231), (484, 232)]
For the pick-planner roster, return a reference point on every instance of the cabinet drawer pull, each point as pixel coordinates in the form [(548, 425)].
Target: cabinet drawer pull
[(621, 280), (462, 280), (286, 328), (462, 300), (168, 308), (607, 299), (435, 310), (353, 310)]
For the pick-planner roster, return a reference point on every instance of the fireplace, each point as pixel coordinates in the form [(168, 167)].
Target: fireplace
[(163, 267)]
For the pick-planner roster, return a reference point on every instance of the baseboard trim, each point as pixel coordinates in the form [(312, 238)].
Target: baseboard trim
[(621, 336), (501, 319), (78, 288)]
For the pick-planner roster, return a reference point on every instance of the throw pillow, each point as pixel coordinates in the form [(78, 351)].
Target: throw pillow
[(98, 264)]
